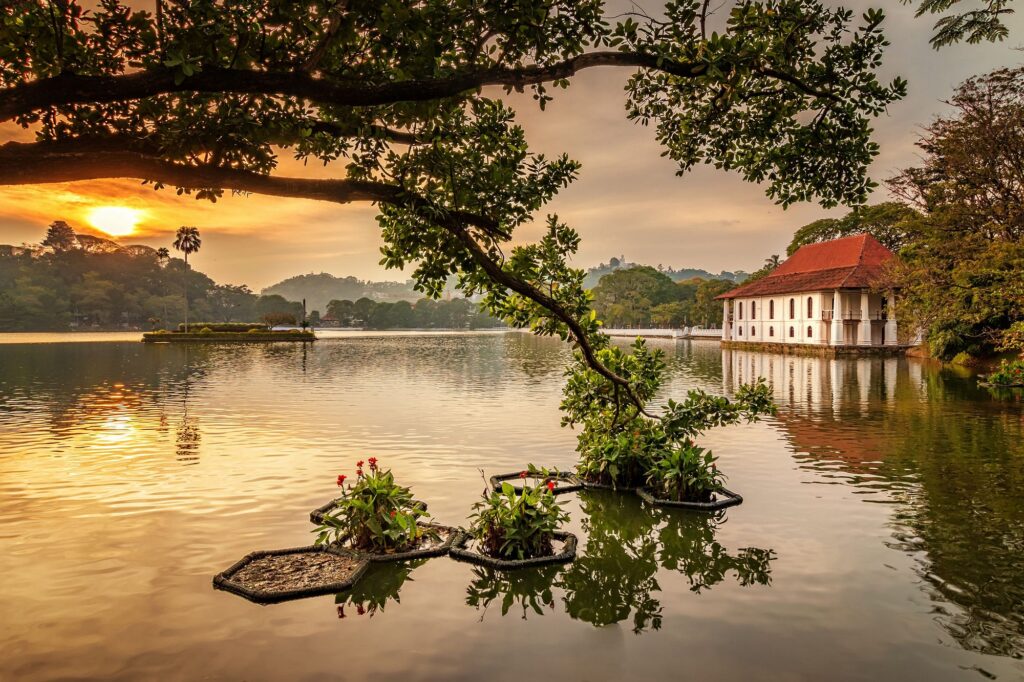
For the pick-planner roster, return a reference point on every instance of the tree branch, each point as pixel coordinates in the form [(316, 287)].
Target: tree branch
[(510, 281), (67, 89)]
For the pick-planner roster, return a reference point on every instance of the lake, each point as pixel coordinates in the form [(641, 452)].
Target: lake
[(881, 537)]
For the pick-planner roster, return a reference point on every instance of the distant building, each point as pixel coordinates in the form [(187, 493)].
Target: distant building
[(823, 295), (328, 321)]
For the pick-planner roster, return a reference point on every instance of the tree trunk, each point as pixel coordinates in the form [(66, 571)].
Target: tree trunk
[(186, 292)]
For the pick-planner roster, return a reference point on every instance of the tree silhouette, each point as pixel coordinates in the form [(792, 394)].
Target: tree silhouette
[(60, 236), (187, 241)]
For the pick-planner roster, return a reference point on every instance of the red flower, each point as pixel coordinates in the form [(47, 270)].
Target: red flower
[(341, 480), (393, 513), (359, 464), (373, 464), (359, 472), (551, 485), (522, 474)]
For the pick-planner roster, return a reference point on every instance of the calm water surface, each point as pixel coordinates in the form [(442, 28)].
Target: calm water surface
[(882, 536)]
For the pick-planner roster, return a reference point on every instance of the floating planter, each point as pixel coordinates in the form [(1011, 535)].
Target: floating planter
[(564, 552), (278, 575), (719, 500), (565, 481), (437, 540), (317, 515)]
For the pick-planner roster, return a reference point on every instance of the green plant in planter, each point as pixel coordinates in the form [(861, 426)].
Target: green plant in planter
[(685, 472), (1009, 373), (621, 441), (374, 514), (511, 525)]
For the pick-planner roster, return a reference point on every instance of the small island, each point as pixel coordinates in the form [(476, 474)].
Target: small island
[(231, 332)]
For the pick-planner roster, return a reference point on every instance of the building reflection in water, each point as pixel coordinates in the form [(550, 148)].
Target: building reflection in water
[(947, 454)]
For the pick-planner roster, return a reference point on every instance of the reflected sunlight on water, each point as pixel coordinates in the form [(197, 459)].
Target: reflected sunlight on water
[(882, 534)]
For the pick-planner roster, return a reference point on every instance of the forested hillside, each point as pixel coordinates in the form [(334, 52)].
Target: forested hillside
[(79, 281)]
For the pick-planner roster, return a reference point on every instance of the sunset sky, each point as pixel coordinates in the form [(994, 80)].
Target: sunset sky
[(627, 200)]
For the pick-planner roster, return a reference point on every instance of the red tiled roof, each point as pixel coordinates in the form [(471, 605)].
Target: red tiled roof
[(848, 263)]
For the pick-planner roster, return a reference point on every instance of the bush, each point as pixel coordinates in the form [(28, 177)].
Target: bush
[(685, 473), (225, 326), (619, 445), (964, 359), (510, 525), (205, 331), (374, 514), (1009, 373)]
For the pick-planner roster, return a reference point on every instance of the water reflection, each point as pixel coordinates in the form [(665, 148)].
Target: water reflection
[(374, 591), (864, 453), (616, 577), (627, 543), (528, 590), (945, 452)]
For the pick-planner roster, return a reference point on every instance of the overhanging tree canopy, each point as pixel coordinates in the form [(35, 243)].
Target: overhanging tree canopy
[(404, 99)]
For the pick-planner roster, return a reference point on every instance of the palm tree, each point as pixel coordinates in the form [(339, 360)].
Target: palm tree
[(187, 241), (163, 255), (773, 262)]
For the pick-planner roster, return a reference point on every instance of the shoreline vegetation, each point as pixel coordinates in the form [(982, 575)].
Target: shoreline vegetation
[(206, 336)]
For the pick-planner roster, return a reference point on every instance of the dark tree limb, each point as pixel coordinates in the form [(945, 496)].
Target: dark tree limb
[(523, 288), (68, 89)]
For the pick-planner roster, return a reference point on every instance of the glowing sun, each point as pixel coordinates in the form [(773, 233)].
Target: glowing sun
[(117, 221)]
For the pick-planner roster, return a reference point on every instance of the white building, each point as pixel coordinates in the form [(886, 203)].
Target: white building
[(823, 295)]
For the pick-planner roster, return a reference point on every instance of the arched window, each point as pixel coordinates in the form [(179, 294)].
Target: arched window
[(792, 332), (771, 331), (753, 310), (771, 309), (741, 310), (810, 308), (792, 309), (752, 332), (809, 332)]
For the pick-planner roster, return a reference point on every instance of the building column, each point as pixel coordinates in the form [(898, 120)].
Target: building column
[(890, 321), (864, 329), (725, 321), (836, 334)]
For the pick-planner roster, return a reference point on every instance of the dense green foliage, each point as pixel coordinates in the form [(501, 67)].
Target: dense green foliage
[(889, 222), (320, 289), (374, 514), (426, 313), (620, 445), (1008, 373), (82, 282), (685, 472), (517, 525), (963, 265), (641, 296)]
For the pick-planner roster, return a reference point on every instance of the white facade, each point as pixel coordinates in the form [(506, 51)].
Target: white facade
[(837, 317)]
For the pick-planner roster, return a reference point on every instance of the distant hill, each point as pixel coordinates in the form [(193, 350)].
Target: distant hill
[(595, 274), (320, 289)]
